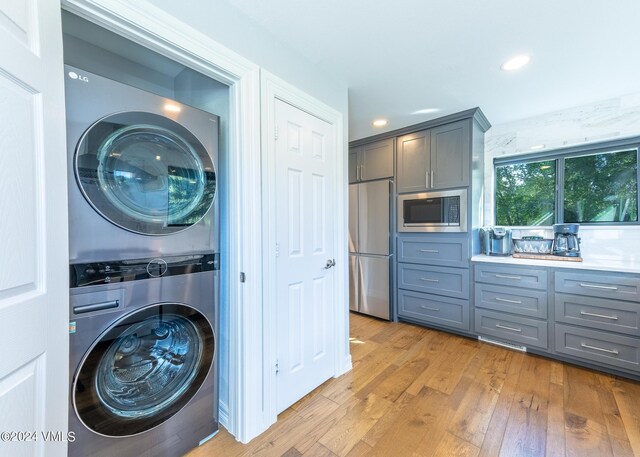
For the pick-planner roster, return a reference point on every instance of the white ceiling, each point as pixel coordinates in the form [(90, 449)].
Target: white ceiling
[(401, 56)]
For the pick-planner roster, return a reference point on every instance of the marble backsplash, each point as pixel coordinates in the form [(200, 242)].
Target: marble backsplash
[(599, 121)]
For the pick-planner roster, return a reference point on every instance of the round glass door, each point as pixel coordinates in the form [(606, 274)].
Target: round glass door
[(145, 173), (143, 370)]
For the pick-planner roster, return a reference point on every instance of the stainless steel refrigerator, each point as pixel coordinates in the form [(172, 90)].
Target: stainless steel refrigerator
[(369, 258)]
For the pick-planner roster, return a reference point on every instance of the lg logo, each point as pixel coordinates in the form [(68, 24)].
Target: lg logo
[(74, 75)]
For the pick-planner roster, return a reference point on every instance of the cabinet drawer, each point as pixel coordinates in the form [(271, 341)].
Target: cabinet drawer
[(522, 330), (511, 276), (434, 250), (526, 302), (598, 285), (450, 312), (599, 313), (452, 282), (602, 347)]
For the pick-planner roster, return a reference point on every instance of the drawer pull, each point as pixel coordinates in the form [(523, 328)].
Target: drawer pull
[(506, 300), (509, 328), (434, 251), (508, 277), (594, 286), (429, 280), (608, 351), (429, 308), (604, 316)]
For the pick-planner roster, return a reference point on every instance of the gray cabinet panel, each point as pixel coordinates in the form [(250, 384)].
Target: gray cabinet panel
[(453, 282), (450, 312), (371, 161), (434, 250), (414, 162), (450, 151), (354, 172), (525, 302), (511, 276), (599, 313), (377, 160), (602, 285), (614, 350), (506, 327)]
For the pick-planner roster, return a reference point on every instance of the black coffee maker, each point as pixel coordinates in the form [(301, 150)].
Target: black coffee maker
[(565, 240)]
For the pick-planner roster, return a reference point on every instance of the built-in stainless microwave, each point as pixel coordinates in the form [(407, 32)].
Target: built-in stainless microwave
[(444, 211)]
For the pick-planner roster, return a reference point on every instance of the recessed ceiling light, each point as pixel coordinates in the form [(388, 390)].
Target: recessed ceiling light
[(380, 122), (426, 111), (537, 146), (516, 62)]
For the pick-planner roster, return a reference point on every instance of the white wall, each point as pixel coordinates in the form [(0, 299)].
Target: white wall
[(593, 122), (229, 27)]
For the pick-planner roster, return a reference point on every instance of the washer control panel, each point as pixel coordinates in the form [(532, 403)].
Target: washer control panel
[(100, 273)]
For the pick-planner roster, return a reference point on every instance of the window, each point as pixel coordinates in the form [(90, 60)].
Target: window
[(589, 186)]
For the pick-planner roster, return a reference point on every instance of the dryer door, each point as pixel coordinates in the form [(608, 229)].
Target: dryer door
[(143, 369), (145, 173)]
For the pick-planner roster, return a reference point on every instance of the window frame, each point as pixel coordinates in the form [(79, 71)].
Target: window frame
[(559, 155)]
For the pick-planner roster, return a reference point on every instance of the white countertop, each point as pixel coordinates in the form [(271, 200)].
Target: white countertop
[(601, 264)]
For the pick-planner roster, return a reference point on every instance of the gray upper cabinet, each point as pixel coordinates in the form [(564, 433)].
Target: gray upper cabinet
[(371, 161), (450, 149), (432, 159), (414, 162)]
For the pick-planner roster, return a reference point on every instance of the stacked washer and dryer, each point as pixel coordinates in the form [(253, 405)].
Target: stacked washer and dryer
[(144, 244)]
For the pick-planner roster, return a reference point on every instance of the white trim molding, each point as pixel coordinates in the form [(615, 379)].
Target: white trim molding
[(272, 89), (153, 28)]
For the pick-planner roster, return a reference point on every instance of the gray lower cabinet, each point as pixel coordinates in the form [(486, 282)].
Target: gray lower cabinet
[(599, 284), (371, 161), (512, 328), (510, 304), (596, 346), (433, 280), (435, 309)]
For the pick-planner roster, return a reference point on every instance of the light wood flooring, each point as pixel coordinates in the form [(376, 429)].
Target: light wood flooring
[(420, 392)]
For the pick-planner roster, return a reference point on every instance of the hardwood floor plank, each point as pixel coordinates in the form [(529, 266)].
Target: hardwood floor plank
[(355, 424), (391, 418), (451, 369), (627, 395), (452, 445), (472, 418), (361, 449), (620, 445), (586, 433), (318, 450), (525, 434), (555, 446)]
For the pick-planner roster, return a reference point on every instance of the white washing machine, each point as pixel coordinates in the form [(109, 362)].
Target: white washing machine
[(142, 172)]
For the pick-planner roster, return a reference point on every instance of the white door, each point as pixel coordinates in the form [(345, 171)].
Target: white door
[(33, 232), (305, 188)]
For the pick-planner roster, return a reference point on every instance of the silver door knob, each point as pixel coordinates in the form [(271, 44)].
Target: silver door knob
[(330, 263)]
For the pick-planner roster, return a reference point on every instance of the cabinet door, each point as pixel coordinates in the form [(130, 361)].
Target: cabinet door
[(353, 164), (376, 160), (413, 151), (450, 149)]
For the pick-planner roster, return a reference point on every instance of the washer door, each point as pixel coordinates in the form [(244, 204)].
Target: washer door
[(145, 173), (143, 370)]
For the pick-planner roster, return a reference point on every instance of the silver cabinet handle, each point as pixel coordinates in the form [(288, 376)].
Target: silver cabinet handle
[(429, 308), (429, 280), (361, 172), (508, 277), (604, 316), (433, 179), (509, 328), (426, 179), (506, 300), (435, 251), (594, 286), (608, 351)]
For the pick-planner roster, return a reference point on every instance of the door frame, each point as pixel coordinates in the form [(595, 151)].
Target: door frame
[(146, 24), (272, 89)]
